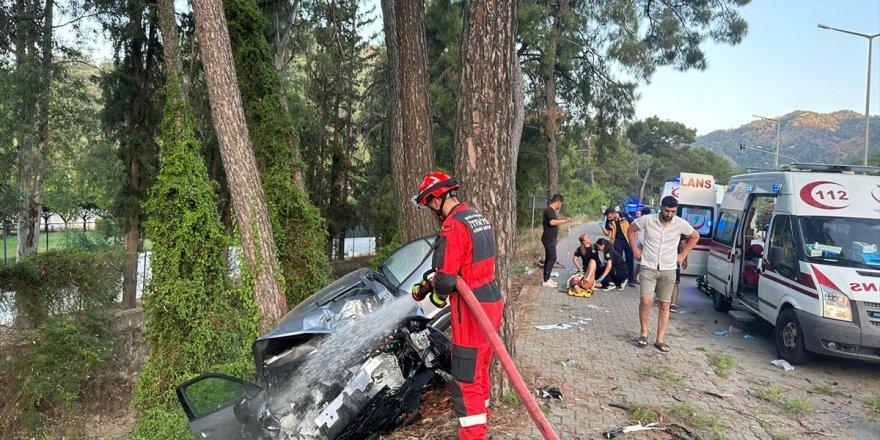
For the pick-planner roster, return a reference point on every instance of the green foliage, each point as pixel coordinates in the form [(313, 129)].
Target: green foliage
[(299, 231), (87, 241), (160, 423), (195, 323), (61, 282), (873, 403), (721, 364), (644, 415), (385, 251), (695, 417)]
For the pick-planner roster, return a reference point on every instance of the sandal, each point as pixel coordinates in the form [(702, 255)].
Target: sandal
[(662, 346), (642, 341)]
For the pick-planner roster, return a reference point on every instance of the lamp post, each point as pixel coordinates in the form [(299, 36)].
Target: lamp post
[(778, 124), (868, 87)]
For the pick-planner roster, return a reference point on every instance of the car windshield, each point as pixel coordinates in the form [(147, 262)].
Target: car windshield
[(401, 264), (850, 242)]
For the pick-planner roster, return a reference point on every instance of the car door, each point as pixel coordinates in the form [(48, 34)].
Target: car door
[(210, 401)]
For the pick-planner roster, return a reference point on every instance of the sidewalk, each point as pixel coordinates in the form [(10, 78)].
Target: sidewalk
[(608, 367)]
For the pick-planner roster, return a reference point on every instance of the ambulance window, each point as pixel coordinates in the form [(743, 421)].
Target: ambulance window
[(782, 256), (726, 228), (698, 217)]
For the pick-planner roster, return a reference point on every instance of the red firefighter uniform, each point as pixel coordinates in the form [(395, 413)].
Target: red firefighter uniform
[(466, 248)]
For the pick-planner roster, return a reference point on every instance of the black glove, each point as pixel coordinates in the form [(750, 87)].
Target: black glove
[(421, 290)]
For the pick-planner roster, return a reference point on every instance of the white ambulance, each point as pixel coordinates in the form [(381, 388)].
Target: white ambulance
[(698, 205), (799, 248)]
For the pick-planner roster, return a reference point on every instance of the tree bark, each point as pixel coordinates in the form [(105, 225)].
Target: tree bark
[(485, 154), (645, 179), (409, 111), (552, 112), (248, 200)]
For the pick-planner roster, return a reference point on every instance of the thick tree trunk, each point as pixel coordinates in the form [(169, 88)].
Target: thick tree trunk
[(249, 202), (552, 112), (409, 111), (485, 153), (645, 179)]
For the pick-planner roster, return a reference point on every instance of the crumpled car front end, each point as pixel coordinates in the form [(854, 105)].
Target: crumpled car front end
[(376, 395)]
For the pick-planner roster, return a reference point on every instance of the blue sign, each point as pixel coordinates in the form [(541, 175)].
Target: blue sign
[(776, 187)]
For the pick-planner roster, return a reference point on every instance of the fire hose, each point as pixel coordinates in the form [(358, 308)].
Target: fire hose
[(506, 362)]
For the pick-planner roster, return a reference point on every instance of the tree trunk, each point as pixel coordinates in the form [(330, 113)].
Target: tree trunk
[(132, 242), (590, 161), (645, 179), (33, 146), (248, 200), (552, 112), (485, 153), (409, 111)]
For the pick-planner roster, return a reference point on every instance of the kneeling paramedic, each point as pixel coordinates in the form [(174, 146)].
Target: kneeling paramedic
[(465, 248)]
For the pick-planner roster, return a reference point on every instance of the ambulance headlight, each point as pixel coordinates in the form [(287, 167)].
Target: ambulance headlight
[(835, 304)]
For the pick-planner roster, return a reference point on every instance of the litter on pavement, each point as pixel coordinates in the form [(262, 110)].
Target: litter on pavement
[(733, 329), (720, 333), (593, 306), (749, 337), (782, 363), (632, 428), (560, 326), (567, 363), (550, 392)]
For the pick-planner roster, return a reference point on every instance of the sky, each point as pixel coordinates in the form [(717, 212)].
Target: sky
[(785, 63)]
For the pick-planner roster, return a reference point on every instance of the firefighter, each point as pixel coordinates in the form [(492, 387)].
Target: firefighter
[(466, 249)]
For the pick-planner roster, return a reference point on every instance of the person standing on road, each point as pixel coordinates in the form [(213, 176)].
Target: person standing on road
[(466, 249), (548, 237), (615, 228), (641, 237), (659, 257)]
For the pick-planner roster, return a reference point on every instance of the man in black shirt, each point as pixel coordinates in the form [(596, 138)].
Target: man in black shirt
[(551, 224)]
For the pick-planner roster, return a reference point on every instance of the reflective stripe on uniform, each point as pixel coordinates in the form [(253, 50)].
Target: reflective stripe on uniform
[(478, 419), (487, 403)]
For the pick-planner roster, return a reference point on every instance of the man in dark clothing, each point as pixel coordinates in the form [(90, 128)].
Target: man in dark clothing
[(551, 224), (615, 228), (466, 249), (615, 271)]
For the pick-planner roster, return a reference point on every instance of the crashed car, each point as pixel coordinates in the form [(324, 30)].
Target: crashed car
[(349, 362)]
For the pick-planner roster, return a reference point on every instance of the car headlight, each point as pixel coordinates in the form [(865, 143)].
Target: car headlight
[(835, 304)]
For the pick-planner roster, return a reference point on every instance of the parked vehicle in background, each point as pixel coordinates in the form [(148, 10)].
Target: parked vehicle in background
[(349, 362), (698, 204), (816, 274)]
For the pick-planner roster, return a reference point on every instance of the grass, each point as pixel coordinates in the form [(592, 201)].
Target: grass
[(798, 406), (55, 239), (698, 418), (664, 374), (827, 389), (721, 364), (511, 400), (644, 415), (873, 403), (702, 349), (775, 435)]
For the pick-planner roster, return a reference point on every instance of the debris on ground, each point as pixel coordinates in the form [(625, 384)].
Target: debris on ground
[(733, 329), (567, 363), (632, 428), (550, 392), (560, 326), (720, 333), (748, 337), (782, 363)]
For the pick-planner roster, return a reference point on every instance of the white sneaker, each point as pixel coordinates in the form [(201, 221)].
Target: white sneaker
[(610, 286), (550, 283)]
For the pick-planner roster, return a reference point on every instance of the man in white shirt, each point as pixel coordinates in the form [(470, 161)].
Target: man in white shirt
[(659, 257)]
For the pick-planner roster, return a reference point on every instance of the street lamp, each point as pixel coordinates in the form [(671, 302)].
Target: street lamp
[(868, 87), (778, 124)]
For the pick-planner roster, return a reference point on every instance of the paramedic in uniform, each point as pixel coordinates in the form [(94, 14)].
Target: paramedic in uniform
[(659, 257), (466, 249)]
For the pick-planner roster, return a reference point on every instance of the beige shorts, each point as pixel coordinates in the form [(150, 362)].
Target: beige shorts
[(657, 283)]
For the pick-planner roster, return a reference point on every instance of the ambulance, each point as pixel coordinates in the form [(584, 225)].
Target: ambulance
[(698, 203), (799, 248)]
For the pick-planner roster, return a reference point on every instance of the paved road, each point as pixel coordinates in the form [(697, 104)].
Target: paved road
[(610, 369)]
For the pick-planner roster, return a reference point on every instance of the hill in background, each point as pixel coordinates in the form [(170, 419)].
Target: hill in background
[(806, 136)]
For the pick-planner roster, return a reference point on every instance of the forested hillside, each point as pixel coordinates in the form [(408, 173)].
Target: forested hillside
[(804, 136)]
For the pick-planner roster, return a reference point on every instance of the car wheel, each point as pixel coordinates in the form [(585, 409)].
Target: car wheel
[(790, 338), (720, 302), (442, 320)]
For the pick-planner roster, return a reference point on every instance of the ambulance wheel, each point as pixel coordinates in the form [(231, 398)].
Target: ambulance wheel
[(790, 338), (720, 302)]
